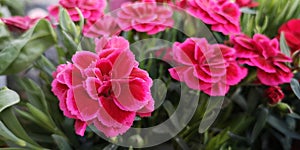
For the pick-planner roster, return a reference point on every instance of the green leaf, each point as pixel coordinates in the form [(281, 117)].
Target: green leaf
[(24, 51), (31, 118), (10, 120), (81, 21), (61, 142), (246, 10), (16, 7), (66, 23), (10, 53), (168, 106), (260, 123), (70, 43), (111, 147), (295, 87), (283, 45), (4, 36), (294, 115), (35, 94), (45, 65), (217, 141), (7, 134), (212, 110), (41, 116), (183, 145), (8, 98), (282, 127), (159, 91)]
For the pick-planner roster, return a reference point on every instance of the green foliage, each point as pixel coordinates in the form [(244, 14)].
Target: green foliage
[(8, 98), (22, 52), (269, 16), (16, 7), (295, 87)]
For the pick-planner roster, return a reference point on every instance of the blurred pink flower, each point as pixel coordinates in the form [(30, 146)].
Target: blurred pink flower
[(246, 3), (145, 17), (209, 68), (264, 54), (292, 34), (91, 9), (19, 22), (105, 26), (106, 93), (116, 4), (222, 15), (62, 87)]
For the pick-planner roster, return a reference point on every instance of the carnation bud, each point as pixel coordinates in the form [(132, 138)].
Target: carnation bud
[(284, 108), (274, 94)]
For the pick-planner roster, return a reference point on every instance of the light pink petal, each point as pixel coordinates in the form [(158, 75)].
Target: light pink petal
[(110, 131), (71, 104), (147, 110), (83, 59), (191, 80), (87, 107), (92, 84), (126, 58)]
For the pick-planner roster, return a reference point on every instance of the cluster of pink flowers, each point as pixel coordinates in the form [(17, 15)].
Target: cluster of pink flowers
[(209, 68), (222, 15), (97, 88), (264, 54)]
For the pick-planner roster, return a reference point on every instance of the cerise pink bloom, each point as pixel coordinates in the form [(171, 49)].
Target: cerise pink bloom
[(246, 3), (264, 54), (107, 94), (292, 34), (18, 22), (144, 17), (105, 26), (62, 87), (91, 9), (209, 68), (222, 15)]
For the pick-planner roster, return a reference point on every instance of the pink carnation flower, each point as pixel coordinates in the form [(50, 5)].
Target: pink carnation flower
[(91, 9), (222, 15), (106, 93), (62, 87), (105, 26), (144, 17), (20, 23), (263, 53), (209, 68)]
